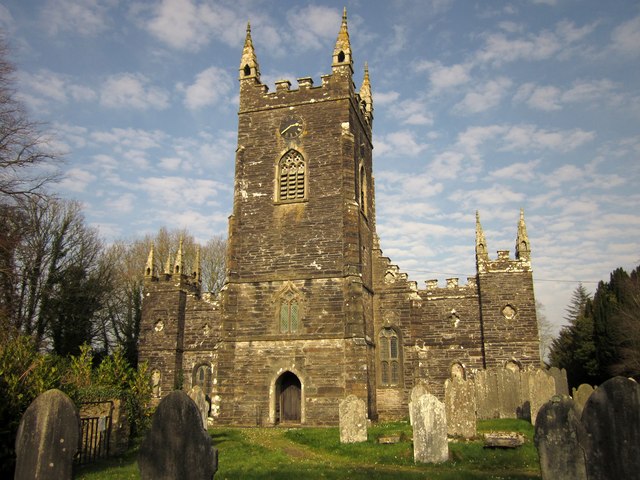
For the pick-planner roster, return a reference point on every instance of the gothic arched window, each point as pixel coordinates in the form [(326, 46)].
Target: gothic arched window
[(289, 313), (291, 177), (202, 377), (389, 356)]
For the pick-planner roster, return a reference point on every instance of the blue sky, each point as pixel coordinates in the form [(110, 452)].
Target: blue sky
[(489, 106)]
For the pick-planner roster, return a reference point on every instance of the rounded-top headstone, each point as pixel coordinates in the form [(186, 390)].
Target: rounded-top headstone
[(611, 419), (48, 438), (558, 438), (177, 446)]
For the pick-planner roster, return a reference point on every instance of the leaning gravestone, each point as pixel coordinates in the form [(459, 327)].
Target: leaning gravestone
[(177, 446), (429, 430), (542, 387), (558, 438), (611, 419), (416, 393), (460, 407), (200, 399), (353, 420), (48, 438), (582, 394)]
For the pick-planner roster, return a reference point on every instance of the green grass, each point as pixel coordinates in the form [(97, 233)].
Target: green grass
[(316, 453)]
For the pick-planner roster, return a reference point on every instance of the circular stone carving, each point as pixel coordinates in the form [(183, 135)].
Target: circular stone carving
[(509, 312)]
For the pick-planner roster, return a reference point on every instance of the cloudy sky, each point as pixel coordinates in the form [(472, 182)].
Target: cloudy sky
[(489, 106)]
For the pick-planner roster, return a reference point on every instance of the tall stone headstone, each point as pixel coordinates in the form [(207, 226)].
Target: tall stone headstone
[(542, 387), (416, 392), (177, 445), (200, 399), (487, 398), (353, 420), (582, 394), (460, 407), (558, 438), (560, 378), (48, 438), (508, 394), (611, 419), (429, 430)]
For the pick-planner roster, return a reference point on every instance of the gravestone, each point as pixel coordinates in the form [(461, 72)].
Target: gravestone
[(582, 394), (177, 445), (353, 420), (508, 394), (488, 402), (48, 438), (560, 378), (429, 430), (558, 438), (541, 388), (416, 392), (200, 399), (611, 419), (460, 407)]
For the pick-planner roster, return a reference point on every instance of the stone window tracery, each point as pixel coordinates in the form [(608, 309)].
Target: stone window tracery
[(389, 345), (291, 177), (289, 310)]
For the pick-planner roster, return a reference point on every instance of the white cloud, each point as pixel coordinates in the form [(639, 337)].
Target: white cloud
[(7, 22), (626, 37), (385, 98), (123, 203), (76, 180), (550, 98), (530, 137), (84, 17), (500, 48), (445, 77), (313, 25), (189, 25), (484, 97), (399, 143), (520, 171), (134, 138), (128, 90), (40, 88), (210, 86), (170, 163)]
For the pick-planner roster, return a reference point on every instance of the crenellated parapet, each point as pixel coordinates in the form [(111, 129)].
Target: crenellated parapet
[(255, 96), (452, 289), (173, 273)]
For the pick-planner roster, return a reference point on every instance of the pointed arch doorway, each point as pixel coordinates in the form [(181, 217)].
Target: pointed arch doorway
[(288, 398)]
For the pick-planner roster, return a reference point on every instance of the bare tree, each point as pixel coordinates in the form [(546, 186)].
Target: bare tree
[(25, 156)]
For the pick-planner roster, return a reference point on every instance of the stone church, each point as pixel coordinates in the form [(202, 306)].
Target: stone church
[(312, 310)]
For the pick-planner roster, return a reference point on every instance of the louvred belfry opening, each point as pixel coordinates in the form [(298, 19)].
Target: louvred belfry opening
[(291, 179)]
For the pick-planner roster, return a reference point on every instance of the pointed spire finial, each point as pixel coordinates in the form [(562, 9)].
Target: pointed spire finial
[(366, 98), (249, 67), (197, 276), (179, 267), (342, 50), (481, 242), (150, 269), (523, 247)]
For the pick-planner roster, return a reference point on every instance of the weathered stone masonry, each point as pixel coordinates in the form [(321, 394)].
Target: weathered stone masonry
[(312, 311)]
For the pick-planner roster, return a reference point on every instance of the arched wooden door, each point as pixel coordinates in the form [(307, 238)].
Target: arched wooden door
[(289, 401)]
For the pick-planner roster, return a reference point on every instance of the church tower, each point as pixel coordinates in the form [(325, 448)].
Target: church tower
[(297, 310)]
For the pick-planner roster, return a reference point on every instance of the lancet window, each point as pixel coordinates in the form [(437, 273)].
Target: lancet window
[(291, 177)]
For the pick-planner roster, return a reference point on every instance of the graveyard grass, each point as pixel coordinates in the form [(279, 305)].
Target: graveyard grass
[(266, 453)]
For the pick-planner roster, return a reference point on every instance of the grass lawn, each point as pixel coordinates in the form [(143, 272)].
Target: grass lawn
[(310, 453)]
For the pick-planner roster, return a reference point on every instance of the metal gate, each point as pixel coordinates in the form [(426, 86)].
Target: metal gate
[(96, 432)]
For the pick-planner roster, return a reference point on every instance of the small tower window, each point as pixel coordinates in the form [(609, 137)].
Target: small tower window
[(389, 356), (291, 177), (289, 313), (341, 57), (247, 70)]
